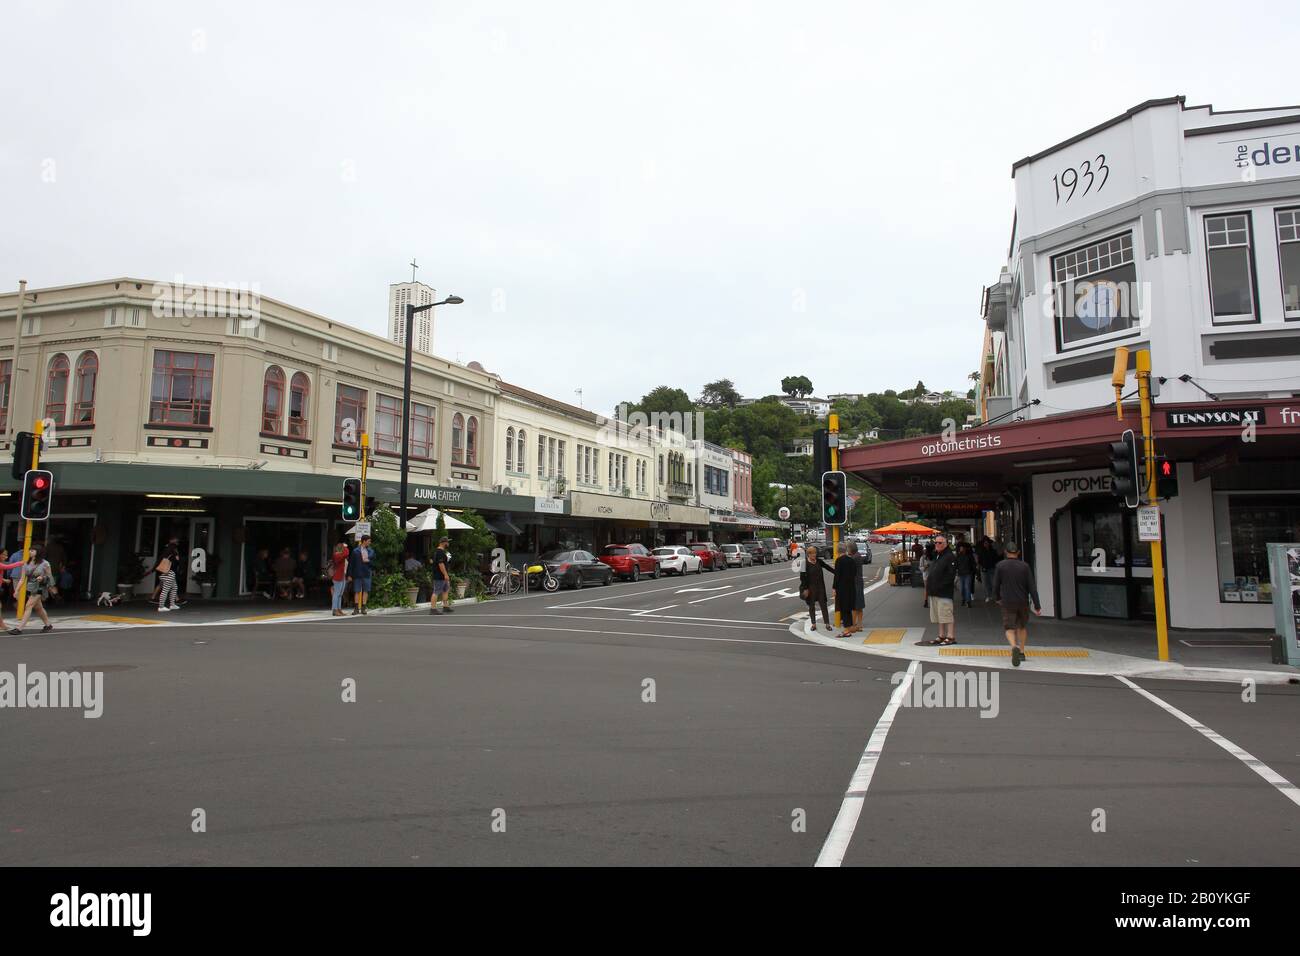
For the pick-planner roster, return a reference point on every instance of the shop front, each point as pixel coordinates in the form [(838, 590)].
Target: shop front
[(610, 519)]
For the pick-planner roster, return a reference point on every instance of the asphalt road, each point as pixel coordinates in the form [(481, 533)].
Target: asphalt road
[(519, 732)]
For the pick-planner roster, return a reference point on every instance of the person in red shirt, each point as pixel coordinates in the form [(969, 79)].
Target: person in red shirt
[(338, 577)]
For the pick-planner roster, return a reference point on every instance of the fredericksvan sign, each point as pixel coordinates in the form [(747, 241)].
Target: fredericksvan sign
[(972, 443)]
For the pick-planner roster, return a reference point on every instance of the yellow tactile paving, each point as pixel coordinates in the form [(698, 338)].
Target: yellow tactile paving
[(885, 635), (273, 617), (118, 619), (1006, 652)]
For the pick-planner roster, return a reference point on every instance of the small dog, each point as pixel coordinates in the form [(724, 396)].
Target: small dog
[(109, 600)]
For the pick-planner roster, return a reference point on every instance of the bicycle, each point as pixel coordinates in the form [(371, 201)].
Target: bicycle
[(509, 580)]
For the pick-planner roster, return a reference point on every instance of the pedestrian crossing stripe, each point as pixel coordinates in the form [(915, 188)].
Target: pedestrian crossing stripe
[(885, 635), (1006, 652)]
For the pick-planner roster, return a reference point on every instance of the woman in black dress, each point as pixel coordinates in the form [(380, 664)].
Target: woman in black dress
[(812, 586)]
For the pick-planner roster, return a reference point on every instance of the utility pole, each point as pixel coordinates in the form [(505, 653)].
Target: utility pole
[(833, 440), (365, 460), (13, 373), (27, 530)]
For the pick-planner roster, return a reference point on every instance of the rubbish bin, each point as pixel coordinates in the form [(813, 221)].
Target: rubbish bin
[(917, 578)]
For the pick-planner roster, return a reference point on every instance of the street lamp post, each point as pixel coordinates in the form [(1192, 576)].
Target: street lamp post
[(411, 312)]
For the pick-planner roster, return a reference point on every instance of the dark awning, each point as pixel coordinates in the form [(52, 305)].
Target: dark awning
[(503, 525)]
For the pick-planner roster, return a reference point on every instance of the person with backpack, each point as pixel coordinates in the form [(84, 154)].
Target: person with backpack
[(39, 577)]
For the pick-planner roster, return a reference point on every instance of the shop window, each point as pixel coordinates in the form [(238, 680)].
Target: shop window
[(181, 391), (1245, 524), (458, 439), (541, 457), (349, 415), (299, 393), (1231, 267), (56, 389), (521, 443), (83, 409), (273, 401), (510, 449), (1288, 254), (471, 442), (1095, 292)]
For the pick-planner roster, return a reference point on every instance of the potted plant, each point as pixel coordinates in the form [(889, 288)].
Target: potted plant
[(130, 571), (459, 585)]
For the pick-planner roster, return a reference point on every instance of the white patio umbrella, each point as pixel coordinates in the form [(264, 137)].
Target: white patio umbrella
[(427, 520)]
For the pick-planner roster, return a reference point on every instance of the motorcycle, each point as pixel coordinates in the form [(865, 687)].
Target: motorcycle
[(539, 575)]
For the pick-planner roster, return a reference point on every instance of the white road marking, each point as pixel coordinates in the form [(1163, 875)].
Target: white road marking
[(704, 621), (783, 593), (629, 592), (571, 631), (651, 611), (766, 584), (837, 841), (1285, 786), (721, 588)]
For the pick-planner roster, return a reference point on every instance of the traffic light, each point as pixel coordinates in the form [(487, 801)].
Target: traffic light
[(835, 499), (352, 499), (1166, 478), (38, 489), (1124, 480), (821, 453), (24, 445)]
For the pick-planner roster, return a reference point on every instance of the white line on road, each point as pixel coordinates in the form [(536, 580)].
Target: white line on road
[(1285, 786), (837, 841), (574, 631), (651, 611), (727, 623), (766, 584), (638, 591)]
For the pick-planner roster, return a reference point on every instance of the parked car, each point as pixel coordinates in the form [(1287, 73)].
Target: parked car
[(758, 552), (630, 561), (735, 555), (675, 559), (709, 554), (574, 569), (776, 549), (877, 539)]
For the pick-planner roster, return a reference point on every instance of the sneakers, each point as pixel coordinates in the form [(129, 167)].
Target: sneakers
[(15, 631), (448, 610), (173, 607), (435, 610), (161, 609), (1015, 657), (47, 628)]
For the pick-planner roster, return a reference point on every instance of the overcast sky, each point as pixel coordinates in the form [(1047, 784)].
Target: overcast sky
[(626, 195)]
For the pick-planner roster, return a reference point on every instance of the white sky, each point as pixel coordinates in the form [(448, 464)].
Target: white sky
[(645, 192)]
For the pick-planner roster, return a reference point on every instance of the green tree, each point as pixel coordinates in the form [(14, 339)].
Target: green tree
[(666, 400), (471, 547), (388, 539), (721, 392), (796, 385)]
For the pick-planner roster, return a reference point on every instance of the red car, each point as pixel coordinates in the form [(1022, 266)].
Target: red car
[(630, 561), (710, 555)]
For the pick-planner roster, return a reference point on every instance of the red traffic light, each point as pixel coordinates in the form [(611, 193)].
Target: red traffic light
[(38, 483), (1166, 468)]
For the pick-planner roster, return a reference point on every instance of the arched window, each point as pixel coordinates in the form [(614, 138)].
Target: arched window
[(56, 389), (510, 449), (299, 393), (457, 439), (83, 411), (521, 463), (273, 401), (471, 441)]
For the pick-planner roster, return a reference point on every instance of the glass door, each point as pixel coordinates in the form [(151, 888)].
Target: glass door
[(203, 532)]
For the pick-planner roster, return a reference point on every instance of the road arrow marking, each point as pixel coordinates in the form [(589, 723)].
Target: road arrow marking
[(784, 592)]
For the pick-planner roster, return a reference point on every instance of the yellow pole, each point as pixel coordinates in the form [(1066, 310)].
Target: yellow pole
[(27, 531), (1157, 547), (365, 459), (833, 428)]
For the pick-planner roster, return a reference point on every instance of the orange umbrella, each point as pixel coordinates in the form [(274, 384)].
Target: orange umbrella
[(905, 528)]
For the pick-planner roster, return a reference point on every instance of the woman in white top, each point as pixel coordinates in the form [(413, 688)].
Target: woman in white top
[(39, 577)]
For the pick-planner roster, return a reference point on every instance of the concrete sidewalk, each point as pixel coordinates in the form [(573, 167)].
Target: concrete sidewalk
[(895, 620)]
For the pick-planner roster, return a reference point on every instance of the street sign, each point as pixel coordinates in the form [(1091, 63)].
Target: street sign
[(784, 513), (1148, 523), (361, 528)]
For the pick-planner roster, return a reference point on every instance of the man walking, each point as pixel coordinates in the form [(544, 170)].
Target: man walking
[(1013, 588), (441, 579), (360, 567), (940, 578), (845, 577)]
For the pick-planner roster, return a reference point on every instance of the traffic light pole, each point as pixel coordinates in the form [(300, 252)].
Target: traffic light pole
[(833, 432), (1157, 546), (365, 460), (27, 531)]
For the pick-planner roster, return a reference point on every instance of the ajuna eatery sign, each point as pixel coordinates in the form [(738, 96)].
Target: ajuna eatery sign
[(1212, 417)]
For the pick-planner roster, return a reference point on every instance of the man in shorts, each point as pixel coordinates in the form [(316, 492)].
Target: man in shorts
[(1013, 589), (360, 569), (940, 579), (441, 579)]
